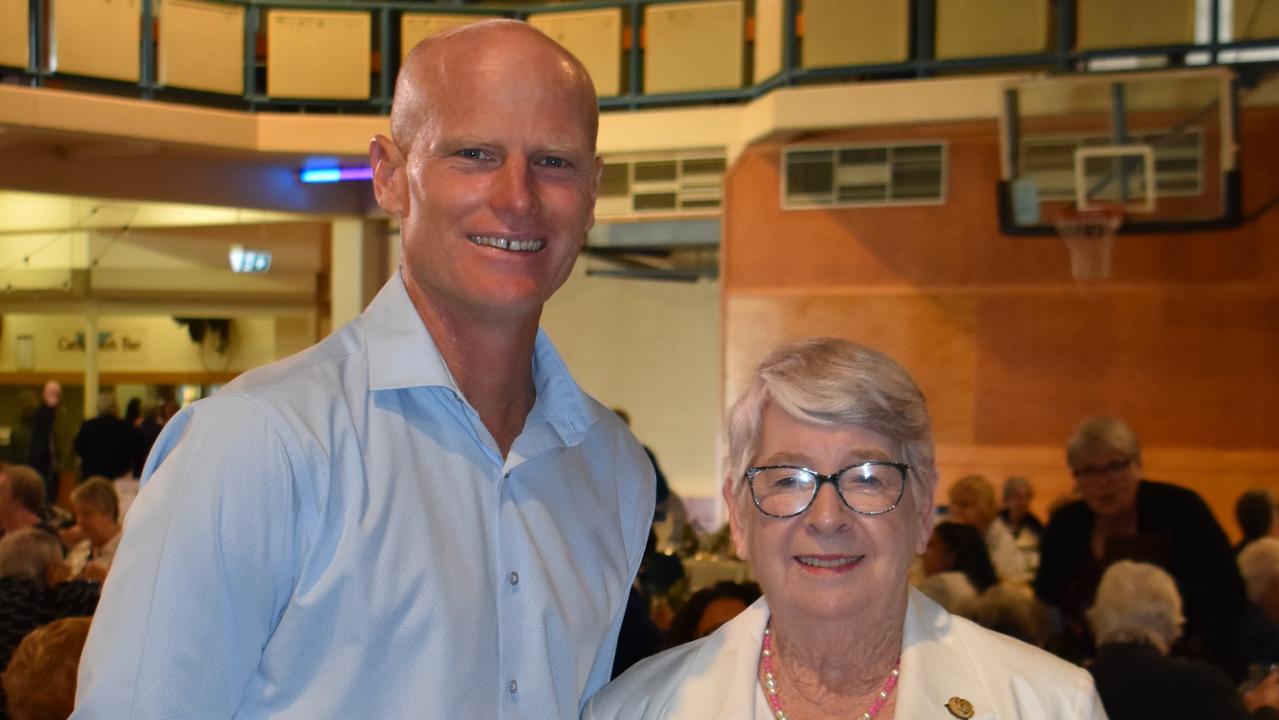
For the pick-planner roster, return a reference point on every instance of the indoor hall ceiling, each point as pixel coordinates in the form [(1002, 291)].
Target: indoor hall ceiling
[(49, 161)]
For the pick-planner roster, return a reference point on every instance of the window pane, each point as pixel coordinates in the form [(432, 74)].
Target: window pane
[(614, 180), (655, 201), (809, 177), (649, 171)]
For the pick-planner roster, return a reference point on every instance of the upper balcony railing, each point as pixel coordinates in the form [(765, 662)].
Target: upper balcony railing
[(342, 55)]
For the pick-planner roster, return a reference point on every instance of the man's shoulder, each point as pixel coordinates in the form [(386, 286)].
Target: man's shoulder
[(316, 368)]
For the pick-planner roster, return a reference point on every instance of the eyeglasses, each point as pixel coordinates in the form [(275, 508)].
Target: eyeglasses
[(869, 488), (1100, 472)]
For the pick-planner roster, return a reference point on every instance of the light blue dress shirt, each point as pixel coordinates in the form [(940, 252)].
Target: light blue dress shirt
[(337, 535)]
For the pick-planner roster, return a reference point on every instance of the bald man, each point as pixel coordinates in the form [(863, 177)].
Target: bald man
[(422, 516)]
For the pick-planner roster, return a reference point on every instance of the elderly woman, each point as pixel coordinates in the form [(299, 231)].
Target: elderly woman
[(838, 632), (1135, 620)]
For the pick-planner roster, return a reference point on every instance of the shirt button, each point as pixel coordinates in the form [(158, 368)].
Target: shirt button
[(513, 687), (513, 578), (506, 475)]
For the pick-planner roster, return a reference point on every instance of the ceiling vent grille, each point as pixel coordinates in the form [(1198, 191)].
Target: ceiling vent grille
[(911, 173), (684, 183)]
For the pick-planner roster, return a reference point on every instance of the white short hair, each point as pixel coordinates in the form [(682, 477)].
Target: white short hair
[(1136, 602), (1259, 565), (1098, 434), (832, 381)]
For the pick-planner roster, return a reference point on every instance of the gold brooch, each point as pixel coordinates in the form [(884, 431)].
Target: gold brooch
[(960, 708)]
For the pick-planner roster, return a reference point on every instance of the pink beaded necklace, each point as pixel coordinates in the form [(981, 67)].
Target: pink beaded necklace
[(775, 699)]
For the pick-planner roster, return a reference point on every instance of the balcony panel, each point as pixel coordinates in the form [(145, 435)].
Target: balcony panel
[(693, 46), (97, 38), (201, 46), (318, 54), (595, 37)]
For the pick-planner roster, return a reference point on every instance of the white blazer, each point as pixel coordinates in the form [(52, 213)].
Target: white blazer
[(943, 657)]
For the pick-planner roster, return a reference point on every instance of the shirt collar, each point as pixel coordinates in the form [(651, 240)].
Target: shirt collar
[(402, 354), (401, 351)]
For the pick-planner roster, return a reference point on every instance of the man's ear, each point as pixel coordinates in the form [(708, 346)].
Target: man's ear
[(735, 520), (390, 182)]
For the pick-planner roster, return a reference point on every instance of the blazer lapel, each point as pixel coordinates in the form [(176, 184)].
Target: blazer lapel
[(937, 668), (720, 682)]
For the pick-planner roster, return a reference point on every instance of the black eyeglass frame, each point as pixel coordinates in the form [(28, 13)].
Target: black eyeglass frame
[(833, 479)]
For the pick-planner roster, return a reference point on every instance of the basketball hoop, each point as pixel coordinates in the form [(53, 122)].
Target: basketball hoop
[(1089, 236)]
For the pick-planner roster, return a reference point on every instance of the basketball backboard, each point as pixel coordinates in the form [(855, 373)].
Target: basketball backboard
[(1160, 145)]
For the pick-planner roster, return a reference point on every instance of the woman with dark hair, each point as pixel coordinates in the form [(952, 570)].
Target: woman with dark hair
[(708, 608), (1255, 510), (957, 565)]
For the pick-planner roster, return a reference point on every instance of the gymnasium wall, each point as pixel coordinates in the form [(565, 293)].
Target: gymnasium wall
[(1183, 341)]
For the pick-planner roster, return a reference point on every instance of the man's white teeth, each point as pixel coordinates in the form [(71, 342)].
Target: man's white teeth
[(502, 243), (819, 563)]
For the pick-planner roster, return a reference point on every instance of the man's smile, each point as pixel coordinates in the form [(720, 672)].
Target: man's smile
[(504, 243)]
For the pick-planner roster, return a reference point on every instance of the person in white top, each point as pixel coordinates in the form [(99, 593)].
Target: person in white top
[(97, 521), (839, 633), (972, 502)]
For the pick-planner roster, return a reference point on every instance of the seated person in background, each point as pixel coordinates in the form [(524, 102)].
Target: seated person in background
[(1010, 610), (957, 566), (838, 631), (97, 521), (1257, 631), (972, 502), (709, 608), (33, 588), (1256, 512), (1135, 620), (40, 680), (1016, 513), (22, 501), (1122, 516), (670, 519)]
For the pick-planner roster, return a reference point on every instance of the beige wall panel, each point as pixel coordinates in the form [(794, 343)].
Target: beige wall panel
[(855, 32), (318, 54), (14, 47), (971, 28), (932, 336), (595, 37), (619, 338), (1256, 19), (1130, 23), (768, 39), (96, 37), (416, 27), (693, 46), (201, 46)]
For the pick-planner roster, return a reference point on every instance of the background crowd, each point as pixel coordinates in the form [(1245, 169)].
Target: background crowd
[(55, 556), (1130, 577)]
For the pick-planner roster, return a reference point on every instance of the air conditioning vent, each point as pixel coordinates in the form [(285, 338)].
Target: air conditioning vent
[(860, 175), (690, 182)]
